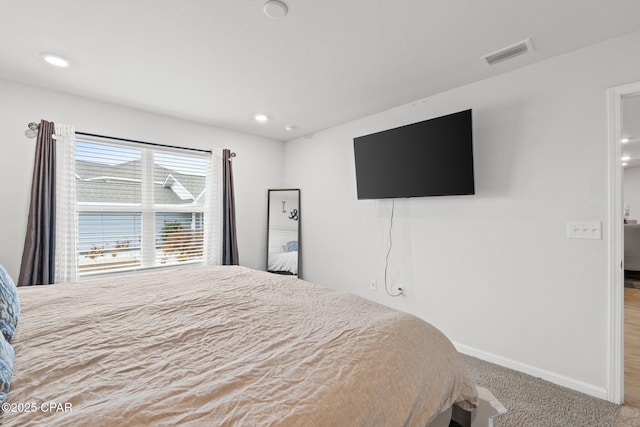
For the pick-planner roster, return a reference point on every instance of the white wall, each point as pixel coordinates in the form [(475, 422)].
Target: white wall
[(278, 218), (257, 167), (494, 271)]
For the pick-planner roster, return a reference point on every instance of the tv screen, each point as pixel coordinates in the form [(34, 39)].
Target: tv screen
[(429, 158)]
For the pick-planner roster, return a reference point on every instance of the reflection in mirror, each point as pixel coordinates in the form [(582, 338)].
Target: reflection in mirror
[(283, 232)]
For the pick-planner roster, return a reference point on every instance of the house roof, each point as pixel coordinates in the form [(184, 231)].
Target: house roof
[(114, 184)]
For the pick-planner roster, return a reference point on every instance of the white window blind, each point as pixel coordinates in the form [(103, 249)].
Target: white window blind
[(139, 206)]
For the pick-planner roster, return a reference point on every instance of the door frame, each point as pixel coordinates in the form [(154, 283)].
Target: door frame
[(615, 215)]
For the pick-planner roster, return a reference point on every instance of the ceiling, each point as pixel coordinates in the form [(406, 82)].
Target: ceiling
[(328, 62)]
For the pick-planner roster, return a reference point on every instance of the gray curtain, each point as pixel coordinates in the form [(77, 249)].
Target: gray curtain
[(38, 255), (229, 239)]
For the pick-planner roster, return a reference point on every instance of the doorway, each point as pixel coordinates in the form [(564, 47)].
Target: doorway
[(623, 148), (630, 144)]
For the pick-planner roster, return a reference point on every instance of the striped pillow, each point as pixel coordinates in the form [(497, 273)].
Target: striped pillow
[(9, 305)]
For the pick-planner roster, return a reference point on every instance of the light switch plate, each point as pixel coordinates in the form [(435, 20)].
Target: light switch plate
[(584, 230)]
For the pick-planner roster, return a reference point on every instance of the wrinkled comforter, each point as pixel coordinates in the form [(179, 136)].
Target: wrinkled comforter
[(224, 346)]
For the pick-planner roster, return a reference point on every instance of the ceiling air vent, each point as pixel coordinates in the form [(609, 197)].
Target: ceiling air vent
[(508, 52)]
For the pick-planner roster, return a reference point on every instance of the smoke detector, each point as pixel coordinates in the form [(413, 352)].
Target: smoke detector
[(508, 52), (275, 9)]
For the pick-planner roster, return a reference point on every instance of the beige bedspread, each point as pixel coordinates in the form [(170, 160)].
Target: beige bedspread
[(221, 346)]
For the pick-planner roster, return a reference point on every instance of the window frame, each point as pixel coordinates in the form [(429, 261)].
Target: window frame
[(147, 208)]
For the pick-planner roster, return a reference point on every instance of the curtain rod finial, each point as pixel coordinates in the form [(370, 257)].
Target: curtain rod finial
[(32, 132)]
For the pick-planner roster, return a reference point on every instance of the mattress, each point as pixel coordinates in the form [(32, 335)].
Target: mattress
[(225, 346), (284, 261)]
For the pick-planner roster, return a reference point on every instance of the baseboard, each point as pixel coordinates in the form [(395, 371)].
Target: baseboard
[(558, 379)]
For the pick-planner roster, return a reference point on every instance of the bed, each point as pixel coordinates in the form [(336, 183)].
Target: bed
[(283, 262), (226, 346)]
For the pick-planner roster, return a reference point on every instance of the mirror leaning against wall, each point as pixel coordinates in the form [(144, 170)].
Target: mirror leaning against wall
[(283, 231)]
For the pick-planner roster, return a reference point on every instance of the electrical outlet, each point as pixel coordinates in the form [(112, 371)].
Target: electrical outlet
[(374, 285)]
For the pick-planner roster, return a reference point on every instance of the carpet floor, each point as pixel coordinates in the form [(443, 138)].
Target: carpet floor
[(534, 402)]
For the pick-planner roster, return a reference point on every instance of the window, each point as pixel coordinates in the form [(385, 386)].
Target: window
[(139, 206)]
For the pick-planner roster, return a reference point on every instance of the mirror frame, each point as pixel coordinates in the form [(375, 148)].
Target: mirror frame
[(269, 192)]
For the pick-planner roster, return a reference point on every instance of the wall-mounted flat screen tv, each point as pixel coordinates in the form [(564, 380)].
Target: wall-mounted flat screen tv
[(429, 158)]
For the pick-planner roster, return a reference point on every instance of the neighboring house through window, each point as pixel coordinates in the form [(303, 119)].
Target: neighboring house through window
[(139, 206)]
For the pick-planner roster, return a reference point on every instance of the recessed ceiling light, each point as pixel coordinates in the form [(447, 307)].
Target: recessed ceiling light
[(625, 158), (275, 9), (624, 140), (261, 117), (625, 164), (290, 127), (55, 59)]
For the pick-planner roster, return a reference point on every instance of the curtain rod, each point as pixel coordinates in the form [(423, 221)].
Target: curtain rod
[(141, 142), (33, 127)]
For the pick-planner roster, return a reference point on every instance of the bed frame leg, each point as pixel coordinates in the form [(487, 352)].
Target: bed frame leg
[(482, 416)]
